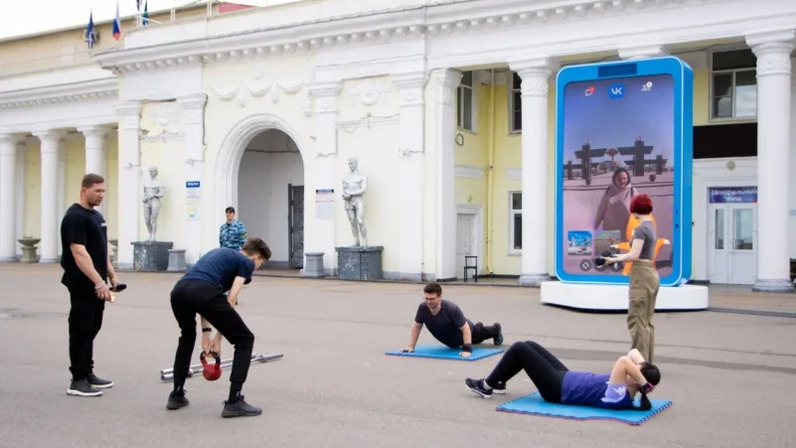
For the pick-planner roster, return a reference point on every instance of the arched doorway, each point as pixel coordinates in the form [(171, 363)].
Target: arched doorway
[(271, 196), (260, 171)]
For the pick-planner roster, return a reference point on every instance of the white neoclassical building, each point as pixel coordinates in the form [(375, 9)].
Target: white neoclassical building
[(448, 107)]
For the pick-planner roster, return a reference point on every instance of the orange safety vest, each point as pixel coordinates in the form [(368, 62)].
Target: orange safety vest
[(632, 223)]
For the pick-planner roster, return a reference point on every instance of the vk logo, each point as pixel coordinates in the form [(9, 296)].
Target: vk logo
[(616, 91)]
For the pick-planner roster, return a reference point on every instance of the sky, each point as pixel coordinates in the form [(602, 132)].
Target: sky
[(22, 17)]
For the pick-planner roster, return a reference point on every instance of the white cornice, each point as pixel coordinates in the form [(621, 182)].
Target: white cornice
[(63, 93), (406, 23)]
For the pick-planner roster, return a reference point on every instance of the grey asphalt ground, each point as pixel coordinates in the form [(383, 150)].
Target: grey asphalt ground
[(731, 375)]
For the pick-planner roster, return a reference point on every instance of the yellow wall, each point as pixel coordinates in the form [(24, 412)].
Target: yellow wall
[(31, 225)]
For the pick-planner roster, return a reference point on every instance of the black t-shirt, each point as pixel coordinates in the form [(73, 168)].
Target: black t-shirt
[(446, 326), (88, 228), (220, 266)]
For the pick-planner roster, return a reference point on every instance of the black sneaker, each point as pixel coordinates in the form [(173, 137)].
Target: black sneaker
[(240, 409), (81, 388), (500, 388), (176, 400), (478, 387), (98, 382), (498, 339)]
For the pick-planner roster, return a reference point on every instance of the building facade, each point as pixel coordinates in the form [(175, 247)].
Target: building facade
[(448, 108)]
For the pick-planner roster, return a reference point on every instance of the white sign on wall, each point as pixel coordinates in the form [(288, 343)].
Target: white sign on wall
[(324, 203), (192, 194)]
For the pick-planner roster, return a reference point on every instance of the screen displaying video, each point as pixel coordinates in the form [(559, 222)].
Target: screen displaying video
[(618, 142)]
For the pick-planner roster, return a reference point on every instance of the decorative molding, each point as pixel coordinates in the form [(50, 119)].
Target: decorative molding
[(257, 88), (60, 94), (640, 52), (368, 91), (469, 172), (369, 120), (410, 22), (447, 80)]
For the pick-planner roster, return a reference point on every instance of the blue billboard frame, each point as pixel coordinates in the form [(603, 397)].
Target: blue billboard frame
[(683, 80)]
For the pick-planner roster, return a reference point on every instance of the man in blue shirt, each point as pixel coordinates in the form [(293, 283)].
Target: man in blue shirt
[(232, 233), (202, 291)]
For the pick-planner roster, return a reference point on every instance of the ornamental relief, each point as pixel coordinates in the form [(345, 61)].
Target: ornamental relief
[(161, 120), (257, 86)]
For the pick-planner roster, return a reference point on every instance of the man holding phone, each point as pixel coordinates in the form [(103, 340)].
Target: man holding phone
[(87, 270)]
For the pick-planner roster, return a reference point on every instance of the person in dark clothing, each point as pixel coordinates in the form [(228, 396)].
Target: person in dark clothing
[(87, 269), (202, 291), (447, 324), (631, 374)]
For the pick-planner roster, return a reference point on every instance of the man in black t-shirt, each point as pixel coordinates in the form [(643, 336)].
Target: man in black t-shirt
[(87, 269), (447, 324), (202, 291)]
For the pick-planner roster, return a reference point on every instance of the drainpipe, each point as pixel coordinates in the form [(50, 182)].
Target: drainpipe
[(490, 178)]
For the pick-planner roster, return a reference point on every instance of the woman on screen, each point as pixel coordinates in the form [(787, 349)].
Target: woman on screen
[(614, 209)]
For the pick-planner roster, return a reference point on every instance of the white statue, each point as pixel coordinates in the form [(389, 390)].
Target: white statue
[(354, 186), (153, 191)]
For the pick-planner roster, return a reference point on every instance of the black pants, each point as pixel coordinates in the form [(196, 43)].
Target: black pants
[(479, 333), (85, 321), (191, 297), (544, 369)]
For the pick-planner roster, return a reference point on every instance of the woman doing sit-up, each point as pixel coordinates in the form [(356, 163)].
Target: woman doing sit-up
[(557, 384)]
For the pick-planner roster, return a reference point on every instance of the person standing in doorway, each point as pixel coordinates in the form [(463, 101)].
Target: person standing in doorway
[(87, 269), (232, 233)]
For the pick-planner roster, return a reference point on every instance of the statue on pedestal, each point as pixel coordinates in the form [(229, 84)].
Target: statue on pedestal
[(354, 186), (153, 191)]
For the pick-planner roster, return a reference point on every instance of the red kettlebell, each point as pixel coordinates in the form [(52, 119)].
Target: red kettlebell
[(211, 372)]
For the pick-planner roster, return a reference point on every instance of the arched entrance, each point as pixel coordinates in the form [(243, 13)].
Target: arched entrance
[(260, 172)]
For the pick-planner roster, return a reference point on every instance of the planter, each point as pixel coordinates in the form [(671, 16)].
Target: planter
[(114, 250), (29, 250)]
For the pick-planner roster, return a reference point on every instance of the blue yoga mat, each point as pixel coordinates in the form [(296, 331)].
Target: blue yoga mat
[(442, 352), (535, 405)]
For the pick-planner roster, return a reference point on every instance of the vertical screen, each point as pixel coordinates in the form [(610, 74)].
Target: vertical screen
[(618, 142)]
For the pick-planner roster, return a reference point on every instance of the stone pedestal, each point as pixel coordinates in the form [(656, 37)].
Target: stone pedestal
[(29, 250), (151, 256), (177, 260), (359, 262), (314, 265)]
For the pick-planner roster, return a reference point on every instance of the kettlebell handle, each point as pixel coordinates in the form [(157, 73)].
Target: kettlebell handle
[(214, 354)]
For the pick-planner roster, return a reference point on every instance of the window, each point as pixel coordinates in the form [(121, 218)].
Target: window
[(515, 105), (465, 103), (734, 85), (515, 222)]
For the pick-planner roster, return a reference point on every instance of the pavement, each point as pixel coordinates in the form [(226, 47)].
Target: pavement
[(727, 370)]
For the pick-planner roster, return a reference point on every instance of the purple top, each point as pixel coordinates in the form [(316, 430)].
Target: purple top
[(588, 389)]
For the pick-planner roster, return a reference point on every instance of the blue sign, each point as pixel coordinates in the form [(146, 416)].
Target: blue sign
[(730, 195), (192, 184), (622, 129)]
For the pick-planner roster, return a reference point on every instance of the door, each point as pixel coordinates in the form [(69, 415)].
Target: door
[(466, 241), (295, 225), (732, 243)]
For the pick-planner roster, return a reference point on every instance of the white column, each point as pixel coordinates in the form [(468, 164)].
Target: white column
[(536, 191), (446, 81), (8, 167), (129, 181), (96, 152), (48, 248), (62, 187), (792, 229), (324, 173), (412, 158), (194, 118), (21, 194), (773, 51)]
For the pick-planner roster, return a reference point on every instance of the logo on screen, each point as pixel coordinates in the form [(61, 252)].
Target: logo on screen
[(616, 91)]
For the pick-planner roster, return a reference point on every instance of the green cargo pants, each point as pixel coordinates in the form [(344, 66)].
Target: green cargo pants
[(644, 285)]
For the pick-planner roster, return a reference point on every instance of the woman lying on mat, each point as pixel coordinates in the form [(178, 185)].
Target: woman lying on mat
[(557, 384)]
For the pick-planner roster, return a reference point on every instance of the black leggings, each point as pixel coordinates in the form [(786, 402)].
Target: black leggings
[(190, 297), (544, 369)]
